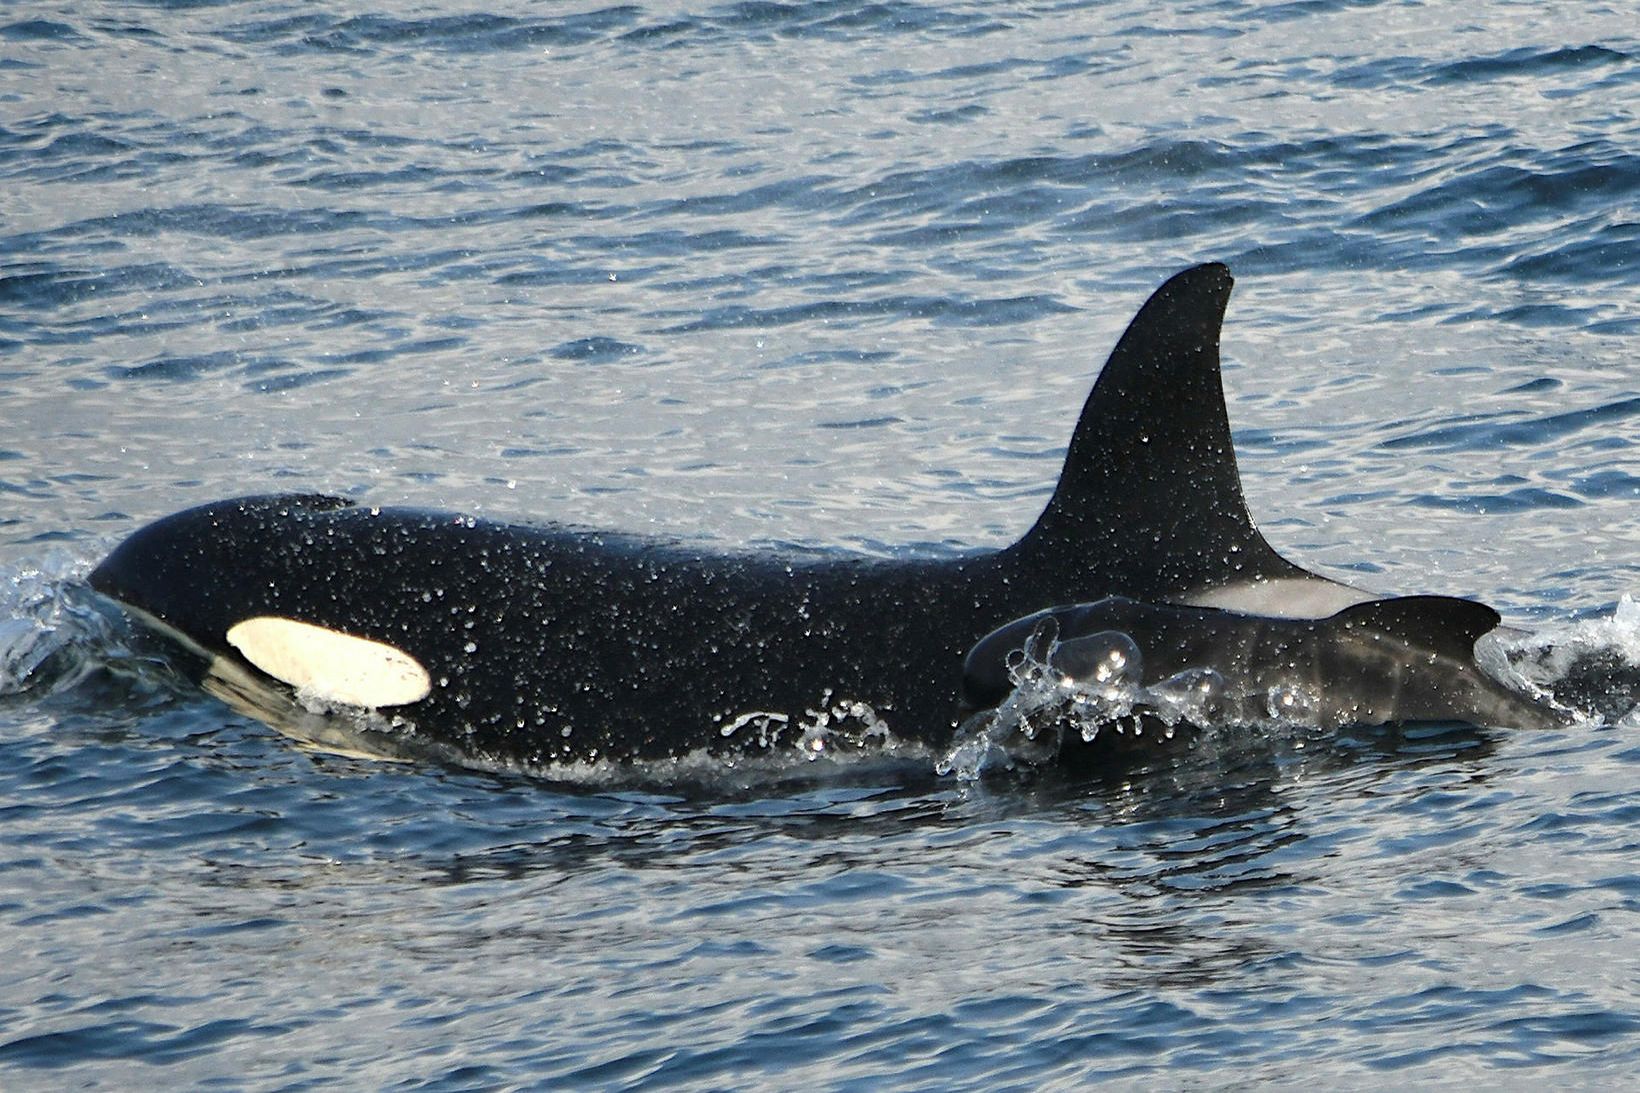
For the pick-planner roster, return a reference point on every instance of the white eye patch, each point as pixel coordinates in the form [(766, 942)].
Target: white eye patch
[(329, 664)]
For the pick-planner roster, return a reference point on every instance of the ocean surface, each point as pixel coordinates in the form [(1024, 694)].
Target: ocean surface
[(832, 275)]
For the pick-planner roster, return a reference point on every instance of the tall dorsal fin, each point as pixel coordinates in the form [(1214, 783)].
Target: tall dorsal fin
[(1150, 500), (1445, 625)]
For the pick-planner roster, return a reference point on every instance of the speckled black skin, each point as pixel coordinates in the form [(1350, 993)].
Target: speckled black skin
[(546, 644)]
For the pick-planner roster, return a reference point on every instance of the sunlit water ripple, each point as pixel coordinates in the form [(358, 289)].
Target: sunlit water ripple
[(830, 275)]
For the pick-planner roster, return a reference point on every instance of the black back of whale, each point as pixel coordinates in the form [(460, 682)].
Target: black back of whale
[(548, 644)]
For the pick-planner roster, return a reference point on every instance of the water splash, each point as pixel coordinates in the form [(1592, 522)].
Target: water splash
[(1078, 690), (1590, 665), (48, 624), (834, 727)]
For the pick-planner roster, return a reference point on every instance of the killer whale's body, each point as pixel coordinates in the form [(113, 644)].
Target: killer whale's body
[(545, 644), (1401, 659)]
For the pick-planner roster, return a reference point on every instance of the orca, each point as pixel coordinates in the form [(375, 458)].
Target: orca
[(541, 644), (1396, 660)]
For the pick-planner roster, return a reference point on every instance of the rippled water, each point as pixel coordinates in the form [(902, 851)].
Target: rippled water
[(834, 274)]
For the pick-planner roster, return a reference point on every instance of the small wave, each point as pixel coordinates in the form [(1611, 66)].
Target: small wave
[(1528, 62), (595, 349), (39, 30), (474, 33), (1485, 434)]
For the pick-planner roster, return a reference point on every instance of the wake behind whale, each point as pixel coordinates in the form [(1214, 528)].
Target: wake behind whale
[(535, 645)]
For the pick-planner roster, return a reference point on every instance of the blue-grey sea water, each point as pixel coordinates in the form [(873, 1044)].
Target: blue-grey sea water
[(831, 275)]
